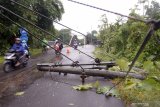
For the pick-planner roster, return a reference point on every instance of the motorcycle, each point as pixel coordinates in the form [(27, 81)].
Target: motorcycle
[(57, 49), (10, 61), (75, 45)]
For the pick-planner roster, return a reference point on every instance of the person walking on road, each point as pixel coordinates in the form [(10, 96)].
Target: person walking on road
[(44, 45)]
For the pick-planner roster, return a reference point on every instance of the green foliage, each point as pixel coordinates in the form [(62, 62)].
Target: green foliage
[(114, 68), (35, 52), (153, 11), (99, 89), (1, 59), (103, 55), (83, 87), (105, 90), (123, 64), (102, 90), (50, 8), (146, 91), (148, 65), (91, 37), (122, 40), (132, 83), (96, 85), (65, 35)]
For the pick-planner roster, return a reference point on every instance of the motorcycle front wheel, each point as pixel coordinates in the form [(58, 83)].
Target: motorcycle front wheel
[(7, 68), (25, 64)]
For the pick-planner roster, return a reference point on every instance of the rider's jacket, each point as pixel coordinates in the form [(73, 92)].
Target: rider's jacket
[(18, 48)]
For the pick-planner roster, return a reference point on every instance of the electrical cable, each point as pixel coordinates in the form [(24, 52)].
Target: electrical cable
[(147, 38), (46, 17), (155, 25), (130, 17), (55, 22), (44, 42), (35, 36)]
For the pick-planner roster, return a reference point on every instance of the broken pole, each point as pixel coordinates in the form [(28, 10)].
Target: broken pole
[(90, 72)]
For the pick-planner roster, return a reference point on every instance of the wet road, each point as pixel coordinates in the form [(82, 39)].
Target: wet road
[(56, 91)]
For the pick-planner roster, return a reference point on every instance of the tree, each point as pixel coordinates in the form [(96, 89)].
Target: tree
[(65, 35), (143, 2), (50, 8), (124, 38), (153, 11)]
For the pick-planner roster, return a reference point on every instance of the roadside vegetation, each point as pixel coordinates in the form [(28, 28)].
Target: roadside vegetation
[(9, 31), (121, 41), (1, 59), (35, 52)]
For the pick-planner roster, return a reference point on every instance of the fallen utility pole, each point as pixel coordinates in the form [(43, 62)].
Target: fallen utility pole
[(89, 72), (111, 63)]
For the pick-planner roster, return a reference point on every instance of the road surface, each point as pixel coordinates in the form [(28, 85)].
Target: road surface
[(54, 90)]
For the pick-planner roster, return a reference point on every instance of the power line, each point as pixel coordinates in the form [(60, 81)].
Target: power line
[(46, 17), (43, 30), (108, 11), (55, 22), (155, 25), (34, 35), (74, 62), (147, 38)]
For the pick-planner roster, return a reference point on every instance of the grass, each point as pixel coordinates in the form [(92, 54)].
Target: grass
[(137, 94), (1, 59), (103, 56), (35, 52)]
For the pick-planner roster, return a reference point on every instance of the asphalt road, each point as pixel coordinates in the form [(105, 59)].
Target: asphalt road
[(54, 90)]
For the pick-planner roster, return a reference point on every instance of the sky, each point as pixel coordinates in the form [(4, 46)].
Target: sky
[(85, 19)]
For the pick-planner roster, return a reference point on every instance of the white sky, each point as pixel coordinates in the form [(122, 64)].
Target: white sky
[(86, 19)]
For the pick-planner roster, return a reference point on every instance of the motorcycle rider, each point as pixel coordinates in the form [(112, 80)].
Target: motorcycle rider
[(19, 50), (24, 39), (75, 44), (58, 44), (25, 46), (44, 44)]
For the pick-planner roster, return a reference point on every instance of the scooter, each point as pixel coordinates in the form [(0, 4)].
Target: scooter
[(10, 61), (75, 45), (57, 49)]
